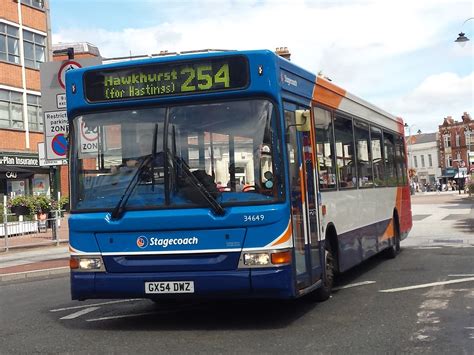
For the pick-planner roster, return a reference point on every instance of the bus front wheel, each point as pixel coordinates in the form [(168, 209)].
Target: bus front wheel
[(324, 291)]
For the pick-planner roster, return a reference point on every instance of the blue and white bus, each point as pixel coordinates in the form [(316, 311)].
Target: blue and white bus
[(226, 174)]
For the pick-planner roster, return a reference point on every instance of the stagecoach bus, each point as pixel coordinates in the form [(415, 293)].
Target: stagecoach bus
[(227, 174)]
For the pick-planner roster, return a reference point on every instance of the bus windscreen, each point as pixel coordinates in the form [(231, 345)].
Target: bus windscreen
[(163, 79)]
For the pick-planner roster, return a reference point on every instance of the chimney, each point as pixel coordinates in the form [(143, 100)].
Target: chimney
[(283, 52)]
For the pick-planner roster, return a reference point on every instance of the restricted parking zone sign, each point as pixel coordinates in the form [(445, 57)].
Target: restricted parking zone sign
[(53, 101)]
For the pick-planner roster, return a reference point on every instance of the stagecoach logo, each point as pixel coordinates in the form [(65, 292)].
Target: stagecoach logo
[(142, 242), (288, 80)]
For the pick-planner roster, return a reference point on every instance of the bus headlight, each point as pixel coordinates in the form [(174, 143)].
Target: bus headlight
[(265, 258), (256, 259), (86, 263)]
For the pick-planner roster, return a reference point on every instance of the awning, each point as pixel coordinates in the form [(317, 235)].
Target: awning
[(14, 172)]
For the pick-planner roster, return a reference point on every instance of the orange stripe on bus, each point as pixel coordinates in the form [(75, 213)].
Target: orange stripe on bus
[(328, 93), (389, 231), (286, 235)]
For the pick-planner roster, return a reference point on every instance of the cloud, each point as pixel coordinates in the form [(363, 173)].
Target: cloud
[(437, 96), (398, 55)]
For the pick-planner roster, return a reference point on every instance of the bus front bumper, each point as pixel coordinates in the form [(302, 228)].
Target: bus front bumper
[(246, 283)]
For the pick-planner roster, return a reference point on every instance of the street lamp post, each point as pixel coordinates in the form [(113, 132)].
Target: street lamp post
[(462, 39), (409, 143)]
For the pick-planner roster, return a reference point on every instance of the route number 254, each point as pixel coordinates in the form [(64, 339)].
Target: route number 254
[(206, 78)]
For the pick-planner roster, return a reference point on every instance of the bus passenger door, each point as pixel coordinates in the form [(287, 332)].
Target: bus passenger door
[(304, 204)]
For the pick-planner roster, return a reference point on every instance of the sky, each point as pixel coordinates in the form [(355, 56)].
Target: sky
[(398, 55)]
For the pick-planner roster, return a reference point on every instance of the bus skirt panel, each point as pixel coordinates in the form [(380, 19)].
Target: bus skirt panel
[(261, 283)]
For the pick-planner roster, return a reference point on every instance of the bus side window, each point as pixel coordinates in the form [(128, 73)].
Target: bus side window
[(364, 160), (324, 148), (376, 142), (344, 139), (390, 161)]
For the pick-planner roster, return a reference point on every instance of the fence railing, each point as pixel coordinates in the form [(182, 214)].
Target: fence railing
[(36, 232)]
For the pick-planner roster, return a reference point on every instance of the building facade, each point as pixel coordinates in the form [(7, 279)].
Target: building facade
[(24, 45), (423, 157), (456, 146)]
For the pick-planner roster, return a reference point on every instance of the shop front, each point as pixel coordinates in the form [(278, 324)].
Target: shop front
[(21, 174)]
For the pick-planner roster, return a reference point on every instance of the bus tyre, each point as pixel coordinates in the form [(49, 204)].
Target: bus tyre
[(324, 291), (392, 251)]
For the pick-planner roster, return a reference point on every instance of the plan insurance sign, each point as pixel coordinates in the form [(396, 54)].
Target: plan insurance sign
[(53, 102)]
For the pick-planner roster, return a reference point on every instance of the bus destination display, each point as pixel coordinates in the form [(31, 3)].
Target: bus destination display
[(163, 79)]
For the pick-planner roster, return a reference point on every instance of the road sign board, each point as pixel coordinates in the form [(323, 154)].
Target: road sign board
[(53, 99), (59, 145), (89, 140), (65, 67), (48, 162)]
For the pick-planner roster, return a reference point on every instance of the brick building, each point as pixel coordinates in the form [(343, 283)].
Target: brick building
[(24, 45), (456, 146)]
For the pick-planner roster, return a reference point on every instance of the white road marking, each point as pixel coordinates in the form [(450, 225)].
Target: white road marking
[(122, 316), (354, 285), (95, 304), (434, 304), (427, 317), (80, 313), (467, 279)]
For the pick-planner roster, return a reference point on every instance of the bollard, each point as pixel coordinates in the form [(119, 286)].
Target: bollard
[(56, 225), (5, 221)]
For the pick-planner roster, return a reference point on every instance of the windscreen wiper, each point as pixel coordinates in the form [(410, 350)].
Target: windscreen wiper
[(211, 200), (118, 210)]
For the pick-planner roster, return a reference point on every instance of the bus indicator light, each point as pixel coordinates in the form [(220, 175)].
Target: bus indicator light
[(281, 258)]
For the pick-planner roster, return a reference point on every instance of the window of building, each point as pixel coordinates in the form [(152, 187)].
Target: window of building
[(35, 119), (344, 140), (34, 45), (415, 161), (324, 148), (9, 43), (447, 140), (11, 109), (449, 161), (422, 161), (458, 140), (430, 160), (35, 3)]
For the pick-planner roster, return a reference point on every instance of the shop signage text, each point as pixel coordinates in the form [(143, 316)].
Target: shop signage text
[(13, 160)]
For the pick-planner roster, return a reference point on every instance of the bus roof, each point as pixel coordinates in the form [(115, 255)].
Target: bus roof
[(297, 83)]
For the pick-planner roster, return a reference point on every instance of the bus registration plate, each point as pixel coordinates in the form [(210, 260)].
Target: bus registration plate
[(170, 287)]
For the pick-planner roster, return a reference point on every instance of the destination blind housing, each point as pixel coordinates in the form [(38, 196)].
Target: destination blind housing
[(164, 79)]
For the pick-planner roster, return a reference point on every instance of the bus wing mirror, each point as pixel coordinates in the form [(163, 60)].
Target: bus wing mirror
[(303, 120)]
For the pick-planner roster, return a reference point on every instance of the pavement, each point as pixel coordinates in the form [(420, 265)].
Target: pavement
[(438, 219)]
